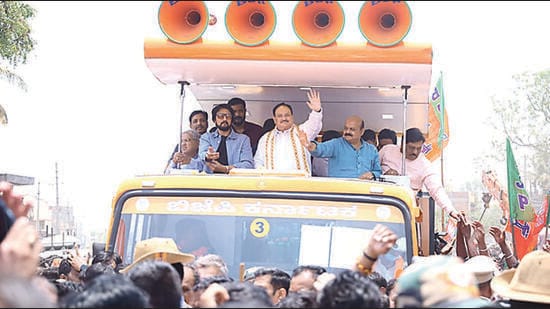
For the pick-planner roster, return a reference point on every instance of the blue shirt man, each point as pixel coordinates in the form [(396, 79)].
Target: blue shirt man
[(223, 149), (349, 156)]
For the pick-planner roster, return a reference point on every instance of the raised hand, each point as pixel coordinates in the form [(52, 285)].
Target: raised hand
[(381, 241), (14, 201), (314, 100), (479, 232), (498, 234)]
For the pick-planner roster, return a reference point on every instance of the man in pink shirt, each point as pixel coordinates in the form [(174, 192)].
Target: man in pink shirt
[(418, 168)]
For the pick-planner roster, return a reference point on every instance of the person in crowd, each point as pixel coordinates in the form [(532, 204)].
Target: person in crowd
[(198, 122), (369, 136), (349, 156), (386, 137), (223, 149), (109, 291), (350, 289), (241, 125), (484, 269), (235, 295), (21, 246), (319, 166), (280, 148), (189, 150), (160, 281), (158, 248), (500, 238), (22, 292), (211, 265), (304, 276), (192, 236), (203, 285), (110, 258), (438, 281), (528, 285), (190, 279), (300, 299), (275, 281), (419, 169)]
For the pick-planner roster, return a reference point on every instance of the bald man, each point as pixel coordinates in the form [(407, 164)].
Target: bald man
[(349, 156)]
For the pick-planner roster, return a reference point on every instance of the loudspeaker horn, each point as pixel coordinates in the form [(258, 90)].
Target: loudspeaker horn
[(385, 23), (318, 23), (183, 22), (250, 23)]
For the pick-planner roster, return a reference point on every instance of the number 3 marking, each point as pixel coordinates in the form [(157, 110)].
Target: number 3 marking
[(259, 227)]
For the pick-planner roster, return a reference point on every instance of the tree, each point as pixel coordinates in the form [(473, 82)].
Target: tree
[(15, 39), (524, 116)]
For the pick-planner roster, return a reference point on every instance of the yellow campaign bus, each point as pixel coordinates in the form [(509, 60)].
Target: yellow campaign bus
[(284, 219)]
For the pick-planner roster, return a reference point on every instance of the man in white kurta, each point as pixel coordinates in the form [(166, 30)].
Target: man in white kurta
[(280, 149)]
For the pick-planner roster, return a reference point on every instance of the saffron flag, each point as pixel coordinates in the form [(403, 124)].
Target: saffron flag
[(526, 223), (438, 126)]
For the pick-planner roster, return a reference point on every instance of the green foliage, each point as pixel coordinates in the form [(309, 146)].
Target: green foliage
[(524, 116), (15, 38)]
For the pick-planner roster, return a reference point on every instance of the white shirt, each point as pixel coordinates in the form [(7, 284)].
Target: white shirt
[(288, 152)]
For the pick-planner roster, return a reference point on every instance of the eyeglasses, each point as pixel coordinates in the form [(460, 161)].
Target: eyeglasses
[(221, 116)]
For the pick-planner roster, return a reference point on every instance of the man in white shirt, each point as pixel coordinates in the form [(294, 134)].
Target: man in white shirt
[(280, 148)]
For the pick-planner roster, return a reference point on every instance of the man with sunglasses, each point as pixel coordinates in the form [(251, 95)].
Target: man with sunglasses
[(223, 149)]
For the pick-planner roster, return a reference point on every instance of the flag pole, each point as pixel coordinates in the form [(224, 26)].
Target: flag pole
[(547, 216), (508, 171)]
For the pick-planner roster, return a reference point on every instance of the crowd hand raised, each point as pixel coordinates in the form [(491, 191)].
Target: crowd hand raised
[(213, 296), (381, 241), (465, 228), (498, 234), (314, 100), (479, 231), (14, 201), (19, 251), (458, 216), (76, 260)]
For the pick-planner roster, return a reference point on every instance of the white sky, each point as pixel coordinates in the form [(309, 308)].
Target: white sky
[(94, 107)]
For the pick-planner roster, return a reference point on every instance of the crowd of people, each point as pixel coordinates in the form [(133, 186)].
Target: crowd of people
[(483, 272), (161, 276)]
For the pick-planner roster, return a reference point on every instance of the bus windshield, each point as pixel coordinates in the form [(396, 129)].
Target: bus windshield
[(267, 231)]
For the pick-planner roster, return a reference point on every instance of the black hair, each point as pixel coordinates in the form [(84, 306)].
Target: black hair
[(369, 135), (414, 135), (196, 112), (236, 101), (221, 106), (314, 269), (279, 278), (282, 104), (330, 134), (389, 134)]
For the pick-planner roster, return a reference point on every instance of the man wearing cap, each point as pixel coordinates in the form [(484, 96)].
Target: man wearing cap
[(163, 249), (483, 268), (528, 285)]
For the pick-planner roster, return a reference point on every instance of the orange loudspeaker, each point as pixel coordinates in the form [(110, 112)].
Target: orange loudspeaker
[(183, 22), (385, 23), (318, 23), (250, 23)]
